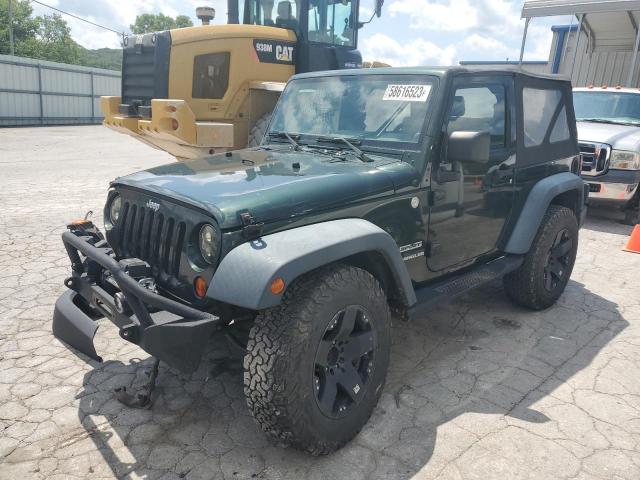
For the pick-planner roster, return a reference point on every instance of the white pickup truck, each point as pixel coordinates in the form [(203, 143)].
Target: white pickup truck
[(608, 121)]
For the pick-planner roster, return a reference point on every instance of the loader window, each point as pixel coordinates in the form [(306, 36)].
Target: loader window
[(274, 13), (210, 75), (332, 21)]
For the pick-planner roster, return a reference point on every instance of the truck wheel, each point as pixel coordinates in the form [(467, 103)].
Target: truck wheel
[(315, 365), (259, 129), (632, 216), (546, 269)]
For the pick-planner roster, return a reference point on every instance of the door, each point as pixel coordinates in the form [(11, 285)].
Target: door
[(471, 199)]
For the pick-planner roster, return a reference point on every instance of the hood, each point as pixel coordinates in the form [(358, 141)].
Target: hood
[(268, 184), (620, 137)]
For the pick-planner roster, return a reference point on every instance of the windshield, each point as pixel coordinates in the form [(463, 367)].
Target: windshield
[(385, 108), (610, 107)]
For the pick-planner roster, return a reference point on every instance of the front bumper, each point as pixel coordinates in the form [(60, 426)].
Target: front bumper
[(615, 185), (169, 330)]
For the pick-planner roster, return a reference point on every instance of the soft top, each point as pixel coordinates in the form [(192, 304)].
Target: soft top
[(433, 71)]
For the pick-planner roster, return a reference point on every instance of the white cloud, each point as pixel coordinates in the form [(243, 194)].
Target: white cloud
[(453, 16), (483, 46), (383, 48)]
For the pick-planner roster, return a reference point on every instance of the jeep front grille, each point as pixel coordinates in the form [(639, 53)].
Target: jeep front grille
[(151, 236), (595, 157)]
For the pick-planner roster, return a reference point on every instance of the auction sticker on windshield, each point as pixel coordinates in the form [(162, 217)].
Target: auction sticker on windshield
[(407, 93)]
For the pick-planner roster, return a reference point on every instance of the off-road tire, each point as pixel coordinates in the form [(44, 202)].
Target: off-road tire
[(526, 285), (259, 129), (279, 365)]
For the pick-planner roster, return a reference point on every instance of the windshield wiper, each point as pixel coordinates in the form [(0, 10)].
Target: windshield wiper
[(286, 136), (359, 153)]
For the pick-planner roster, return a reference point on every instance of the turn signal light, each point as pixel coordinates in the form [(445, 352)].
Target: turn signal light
[(200, 286), (277, 286)]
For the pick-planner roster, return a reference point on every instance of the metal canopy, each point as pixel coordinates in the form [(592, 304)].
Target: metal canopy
[(549, 8), (607, 24)]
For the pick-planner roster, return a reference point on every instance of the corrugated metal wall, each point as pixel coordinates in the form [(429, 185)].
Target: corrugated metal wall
[(607, 65), (37, 92)]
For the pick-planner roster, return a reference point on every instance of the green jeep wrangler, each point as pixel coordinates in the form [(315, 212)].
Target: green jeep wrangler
[(374, 194)]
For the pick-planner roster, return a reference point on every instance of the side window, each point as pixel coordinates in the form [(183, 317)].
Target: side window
[(210, 75), (540, 108), (480, 109)]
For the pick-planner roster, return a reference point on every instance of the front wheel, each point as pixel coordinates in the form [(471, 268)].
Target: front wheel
[(316, 364), (546, 269)]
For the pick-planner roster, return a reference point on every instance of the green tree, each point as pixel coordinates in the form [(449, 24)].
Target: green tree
[(48, 37), (183, 21), (24, 26), (156, 22), (52, 41)]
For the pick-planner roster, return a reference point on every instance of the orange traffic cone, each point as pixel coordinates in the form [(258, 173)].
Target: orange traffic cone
[(634, 241)]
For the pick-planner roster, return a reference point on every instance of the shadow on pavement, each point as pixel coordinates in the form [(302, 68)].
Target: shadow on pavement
[(479, 354), (606, 219)]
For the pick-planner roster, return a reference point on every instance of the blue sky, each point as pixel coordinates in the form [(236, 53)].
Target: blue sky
[(410, 32)]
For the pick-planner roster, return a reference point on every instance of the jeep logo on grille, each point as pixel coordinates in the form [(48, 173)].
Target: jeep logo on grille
[(155, 206)]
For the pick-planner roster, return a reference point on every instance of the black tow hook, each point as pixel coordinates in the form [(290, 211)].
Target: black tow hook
[(142, 398)]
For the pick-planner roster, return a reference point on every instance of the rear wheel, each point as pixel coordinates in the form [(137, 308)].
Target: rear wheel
[(546, 269), (259, 129), (315, 365)]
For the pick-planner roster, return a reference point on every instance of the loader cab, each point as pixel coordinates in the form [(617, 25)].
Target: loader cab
[(327, 30)]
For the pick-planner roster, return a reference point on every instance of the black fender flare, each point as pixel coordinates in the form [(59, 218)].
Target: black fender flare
[(537, 203), (245, 274)]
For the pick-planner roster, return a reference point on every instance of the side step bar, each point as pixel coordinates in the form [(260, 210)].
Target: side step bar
[(459, 284)]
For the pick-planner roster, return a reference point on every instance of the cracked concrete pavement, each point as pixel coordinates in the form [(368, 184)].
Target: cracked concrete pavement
[(478, 388)]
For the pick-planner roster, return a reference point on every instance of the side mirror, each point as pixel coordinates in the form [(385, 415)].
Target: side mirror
[(379, 7), (469, 147)]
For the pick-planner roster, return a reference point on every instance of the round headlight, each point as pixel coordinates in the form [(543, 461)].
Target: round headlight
[(115, 208), (208, 243)]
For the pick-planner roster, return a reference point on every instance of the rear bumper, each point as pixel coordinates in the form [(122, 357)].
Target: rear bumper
[(169, 330), (615, 185)]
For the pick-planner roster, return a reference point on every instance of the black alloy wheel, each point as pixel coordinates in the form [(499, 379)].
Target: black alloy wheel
[(344, 361), (558, 259)]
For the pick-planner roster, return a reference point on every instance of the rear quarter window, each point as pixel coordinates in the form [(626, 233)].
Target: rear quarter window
[(546, 128), (545, 116)]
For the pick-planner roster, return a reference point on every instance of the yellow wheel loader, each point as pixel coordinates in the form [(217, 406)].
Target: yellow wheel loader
[(201, 90)]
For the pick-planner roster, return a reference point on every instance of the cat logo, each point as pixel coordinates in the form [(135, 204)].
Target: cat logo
[(284, 53), (271, 51)]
